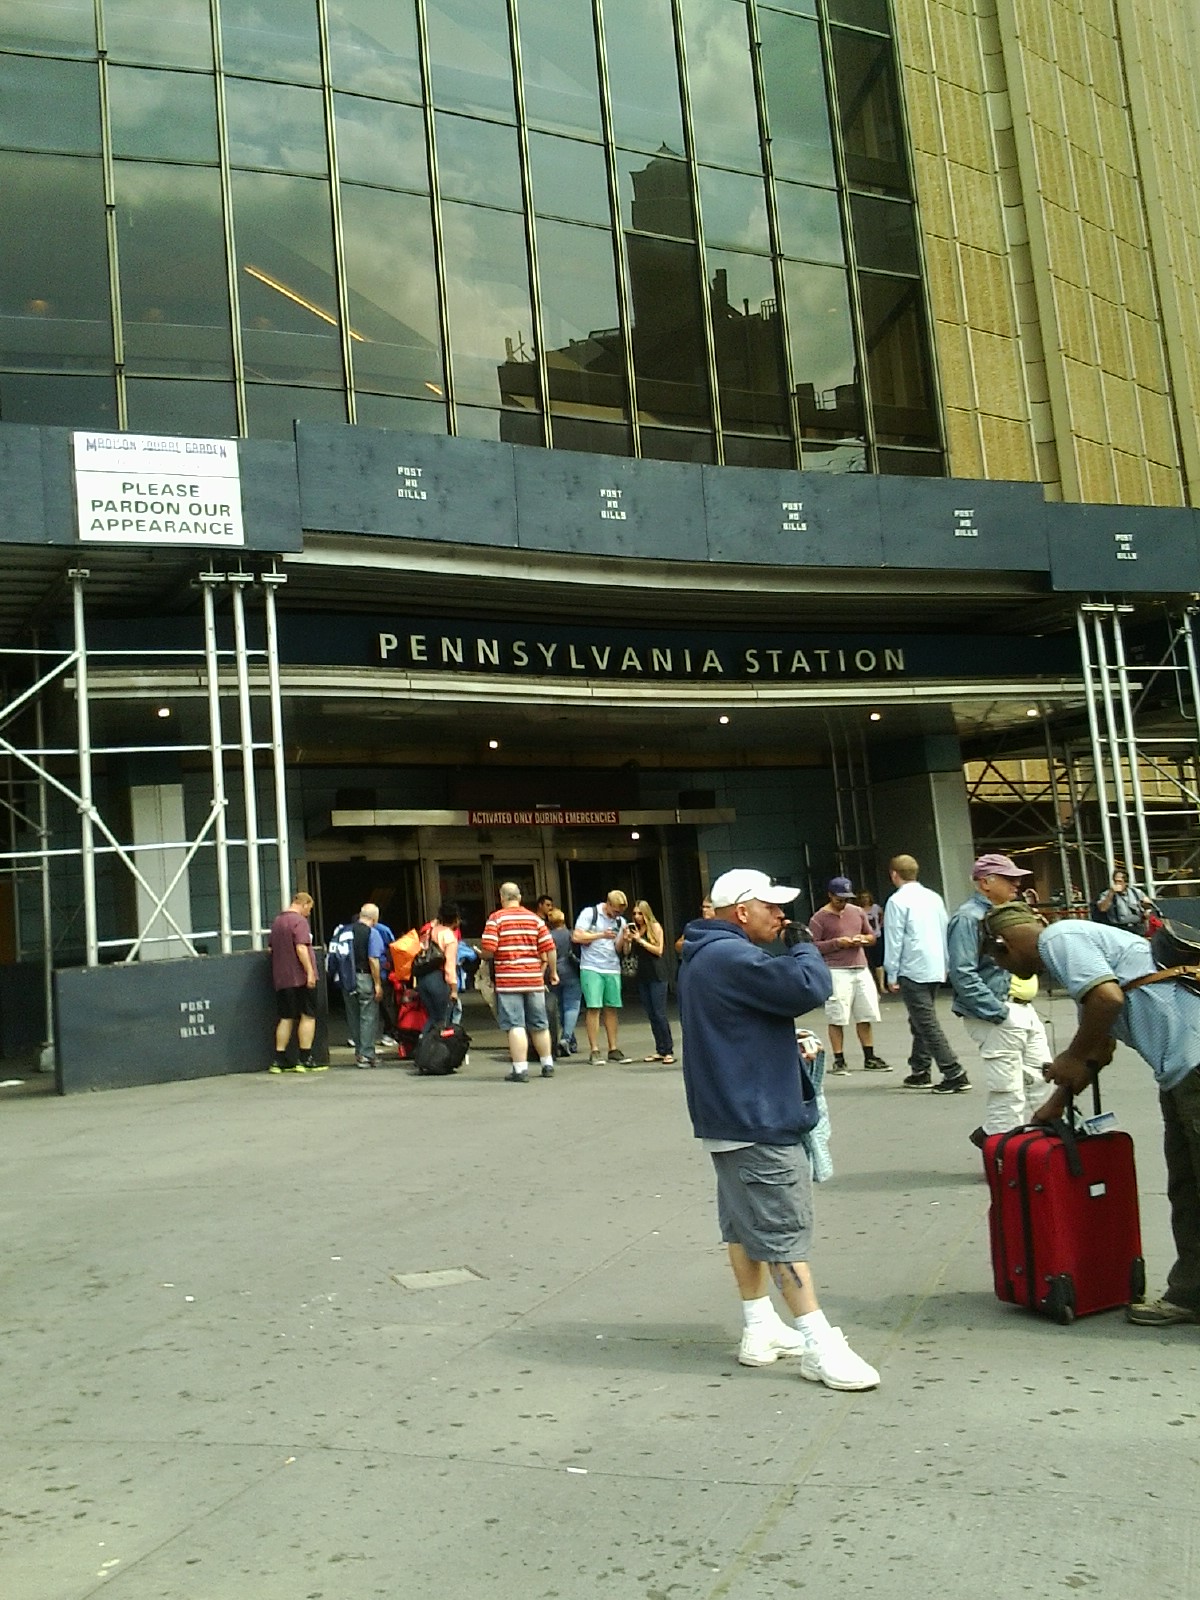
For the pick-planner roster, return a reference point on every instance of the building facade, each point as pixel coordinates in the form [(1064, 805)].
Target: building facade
[(672, 432)]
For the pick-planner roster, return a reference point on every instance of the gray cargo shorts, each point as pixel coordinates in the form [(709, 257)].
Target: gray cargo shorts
[(764, 1200)]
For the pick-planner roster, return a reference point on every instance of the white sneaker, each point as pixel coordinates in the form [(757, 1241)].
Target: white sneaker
[(834, 1364), (764, 1343)]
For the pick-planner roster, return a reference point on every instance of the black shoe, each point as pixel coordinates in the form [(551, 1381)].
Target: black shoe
[(917, 1080), (876, 1064), (517, 1077), (978, 1137), (547, 1072), (954, 1084), (836, 1067)]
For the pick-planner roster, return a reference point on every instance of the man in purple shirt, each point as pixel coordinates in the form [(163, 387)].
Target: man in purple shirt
[(294, 974), (841, 932)]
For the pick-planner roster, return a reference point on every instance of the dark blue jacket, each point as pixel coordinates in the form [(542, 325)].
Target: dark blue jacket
[(737, 1008)]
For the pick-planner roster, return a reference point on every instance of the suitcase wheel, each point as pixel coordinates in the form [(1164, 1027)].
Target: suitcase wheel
[(1060, 1299), (1137, 1279)]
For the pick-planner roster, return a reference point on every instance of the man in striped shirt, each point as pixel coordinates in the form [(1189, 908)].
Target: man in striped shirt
[(519, 946)]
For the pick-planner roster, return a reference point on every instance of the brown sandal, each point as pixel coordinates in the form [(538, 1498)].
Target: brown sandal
[(652, 1058), (667, 1061)]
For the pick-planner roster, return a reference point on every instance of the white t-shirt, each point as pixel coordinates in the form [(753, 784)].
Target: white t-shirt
[(599, 955)]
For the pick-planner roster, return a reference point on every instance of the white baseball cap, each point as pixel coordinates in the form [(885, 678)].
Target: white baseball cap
[(743, 883)]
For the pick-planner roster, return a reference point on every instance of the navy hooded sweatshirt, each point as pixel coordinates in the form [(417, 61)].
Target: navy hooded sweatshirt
[(737, 1009)]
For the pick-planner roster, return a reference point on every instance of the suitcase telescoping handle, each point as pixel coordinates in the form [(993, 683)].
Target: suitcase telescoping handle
[(1064, 1126)]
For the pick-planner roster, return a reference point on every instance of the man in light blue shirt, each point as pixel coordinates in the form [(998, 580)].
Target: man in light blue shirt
[(1099, 968), (914, 955)]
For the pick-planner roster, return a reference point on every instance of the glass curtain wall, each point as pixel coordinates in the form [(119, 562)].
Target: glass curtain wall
[(681, 229)]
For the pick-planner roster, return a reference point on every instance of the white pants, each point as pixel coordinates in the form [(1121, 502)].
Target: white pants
[(1014, 1052)]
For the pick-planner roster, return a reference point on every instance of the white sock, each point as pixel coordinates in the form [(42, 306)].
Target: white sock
[(547, 1061), (814, 1325), (755, 1313), (521, 1068)]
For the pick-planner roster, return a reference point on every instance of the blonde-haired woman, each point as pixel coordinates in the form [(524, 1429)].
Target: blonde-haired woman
[(646, 937)]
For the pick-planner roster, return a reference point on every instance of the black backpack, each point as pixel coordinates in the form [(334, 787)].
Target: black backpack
[(1176, 951), (442, 1050)]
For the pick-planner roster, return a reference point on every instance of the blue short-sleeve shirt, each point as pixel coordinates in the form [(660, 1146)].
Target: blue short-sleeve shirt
[(1161, 1022)]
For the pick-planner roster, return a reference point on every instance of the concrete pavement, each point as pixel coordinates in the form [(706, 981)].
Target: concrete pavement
[(215, 1387)]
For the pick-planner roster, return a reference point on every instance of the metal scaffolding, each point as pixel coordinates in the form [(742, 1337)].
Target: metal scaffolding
[(235, 680)]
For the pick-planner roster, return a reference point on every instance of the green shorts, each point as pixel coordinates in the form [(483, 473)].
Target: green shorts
[(600, 989)]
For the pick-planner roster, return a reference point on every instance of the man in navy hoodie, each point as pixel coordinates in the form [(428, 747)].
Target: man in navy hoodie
[(737, 1007)]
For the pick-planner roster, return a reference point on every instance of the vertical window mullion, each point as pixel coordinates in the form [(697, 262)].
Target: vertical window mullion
[(435, 207), (535, 285), (689, 150), (341, 287), (108, 177), (231, 253), (618, 233)]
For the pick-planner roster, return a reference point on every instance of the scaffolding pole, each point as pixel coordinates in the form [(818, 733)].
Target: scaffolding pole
[(87, 805), (216, 741), (238, 581), (270, 582)]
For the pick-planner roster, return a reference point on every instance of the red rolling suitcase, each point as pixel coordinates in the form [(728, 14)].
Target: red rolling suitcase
[(1065, 1231)]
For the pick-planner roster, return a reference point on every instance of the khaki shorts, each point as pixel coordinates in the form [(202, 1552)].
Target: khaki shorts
[(855, 997)]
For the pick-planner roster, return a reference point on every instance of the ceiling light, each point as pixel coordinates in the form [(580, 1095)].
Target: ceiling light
[(635, 834), (1032, 712), (877, 716), (163, 711), (493, 744), (724, 721)]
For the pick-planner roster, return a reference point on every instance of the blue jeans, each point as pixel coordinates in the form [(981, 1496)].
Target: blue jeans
[(435, 997), (654, 1002), (929, 1043), (570, 998)]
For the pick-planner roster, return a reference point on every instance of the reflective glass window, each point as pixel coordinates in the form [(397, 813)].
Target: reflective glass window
[(810, 223), (748, 338), (487, 305), (50, 105), (271, 39), (797, 108), (596, 438), (733, 207), (507, 427), (911, 463), (802, 8), (289, 311), (821, 348), (869, 112), (174, 286), (400, 412), (470, 57), (669, 356), (161, 33), (478, 161), (275, 125), (721, 84), (160, 405), (668, 444), (58, 402), (558, 66), (656, 195), (898, 370), (861, 13), (581, 328), (168, 116), (272, 409), (373, 48), (54, 296), (381, 143), (757, 451), (68, 27), (884, 236), (643, 75), (569, 179), (818, 456), (395, 339)]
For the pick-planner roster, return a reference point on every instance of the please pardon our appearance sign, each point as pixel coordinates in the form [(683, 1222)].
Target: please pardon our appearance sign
[(133, 488)]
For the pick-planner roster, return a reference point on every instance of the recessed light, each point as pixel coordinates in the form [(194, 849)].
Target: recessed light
[(724, 721), (163, 711), (877, 716), (635, 834), (493, 744), (1032, 712)]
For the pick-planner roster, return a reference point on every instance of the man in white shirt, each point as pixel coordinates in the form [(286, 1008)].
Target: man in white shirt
[(599, 937), (914, 954)]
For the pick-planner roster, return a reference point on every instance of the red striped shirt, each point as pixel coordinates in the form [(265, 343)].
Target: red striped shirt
[(516, 940)]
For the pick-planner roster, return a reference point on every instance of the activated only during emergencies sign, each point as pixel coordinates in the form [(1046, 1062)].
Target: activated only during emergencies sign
[(137, 488)]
